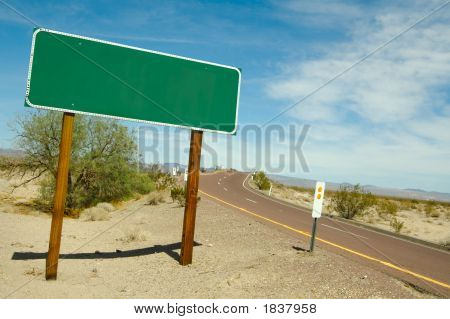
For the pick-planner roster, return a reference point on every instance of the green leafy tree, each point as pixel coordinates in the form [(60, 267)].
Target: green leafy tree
[(102, 163)]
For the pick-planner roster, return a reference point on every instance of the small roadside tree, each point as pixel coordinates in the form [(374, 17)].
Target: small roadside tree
[(102, 163)]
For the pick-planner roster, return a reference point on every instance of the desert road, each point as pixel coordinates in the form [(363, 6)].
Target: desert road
[(422, 266)]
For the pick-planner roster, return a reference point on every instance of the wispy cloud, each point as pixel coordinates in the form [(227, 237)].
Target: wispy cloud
[(322, 14), (390, 111), (148, 38)]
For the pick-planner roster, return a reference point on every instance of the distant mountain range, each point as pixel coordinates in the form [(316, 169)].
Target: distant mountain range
[(382, 191), (10, 152), (412, 193)]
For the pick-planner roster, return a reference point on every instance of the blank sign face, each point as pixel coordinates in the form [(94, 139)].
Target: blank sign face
[(89, 76)]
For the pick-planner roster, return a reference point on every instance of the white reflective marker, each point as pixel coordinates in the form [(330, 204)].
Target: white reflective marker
[(318, 199)]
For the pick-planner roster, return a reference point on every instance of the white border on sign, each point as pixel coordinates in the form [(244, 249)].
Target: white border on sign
[(53, 108)]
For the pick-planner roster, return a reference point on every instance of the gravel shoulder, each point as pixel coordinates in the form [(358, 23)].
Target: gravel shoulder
[(133, 255)]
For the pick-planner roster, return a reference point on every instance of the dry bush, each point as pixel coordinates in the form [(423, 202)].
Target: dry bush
[(430, 209), (33, 272), (408, 204), (155, 198), (106, 206), (396, 225), (349, 201), (178, 194), (446, 243), (387, 208), (132, 235), (435, 214), (96, 214)]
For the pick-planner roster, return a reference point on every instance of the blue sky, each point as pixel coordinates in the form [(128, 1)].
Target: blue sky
[(385, 122)]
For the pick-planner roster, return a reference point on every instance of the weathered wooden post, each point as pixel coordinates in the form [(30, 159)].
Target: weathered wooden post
[(187, 241), (59, 200)]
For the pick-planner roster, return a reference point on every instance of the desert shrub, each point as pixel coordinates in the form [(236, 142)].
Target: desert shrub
[(177, 193), (407, 205), (430, 209), (446, 243), (181, 198), (96, 214), (162, 180), (349, 201), (106, 206), (435, 214), (261, 180), (387, 207), (396, 225), (133, 234), (155, 198)]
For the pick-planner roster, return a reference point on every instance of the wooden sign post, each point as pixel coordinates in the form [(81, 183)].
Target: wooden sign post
[(59, 200), (187, 240)]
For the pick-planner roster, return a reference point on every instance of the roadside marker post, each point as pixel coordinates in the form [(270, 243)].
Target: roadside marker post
[(80, 75), (317, 211)]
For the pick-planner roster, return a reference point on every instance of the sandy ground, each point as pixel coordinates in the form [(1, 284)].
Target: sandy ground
[(435, 229), (134, 255)]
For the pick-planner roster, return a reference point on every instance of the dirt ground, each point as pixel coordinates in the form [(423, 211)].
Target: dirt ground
[(133, 254), (434, 227)]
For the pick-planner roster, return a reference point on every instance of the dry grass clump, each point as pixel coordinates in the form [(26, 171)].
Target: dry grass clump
[(106, 206), (387, 208), (96, 214), (396, 225), (431, 210), (155, 198), (33, 272), (133, 235)]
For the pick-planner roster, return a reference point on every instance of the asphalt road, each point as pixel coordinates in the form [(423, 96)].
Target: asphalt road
[(422, 266)]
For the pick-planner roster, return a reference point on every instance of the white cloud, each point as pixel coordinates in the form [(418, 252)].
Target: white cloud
[(323, 14), (389, 113)]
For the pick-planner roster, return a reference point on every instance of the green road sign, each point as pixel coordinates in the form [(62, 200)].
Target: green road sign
[(83, 75)]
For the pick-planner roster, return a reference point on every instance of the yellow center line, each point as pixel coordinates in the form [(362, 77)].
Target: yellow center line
[(385, 263)]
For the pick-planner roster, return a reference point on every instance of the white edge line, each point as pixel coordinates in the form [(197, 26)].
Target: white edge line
[(250, 200), (336, 220), (344, 231), (278, 201), (133, 48)]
